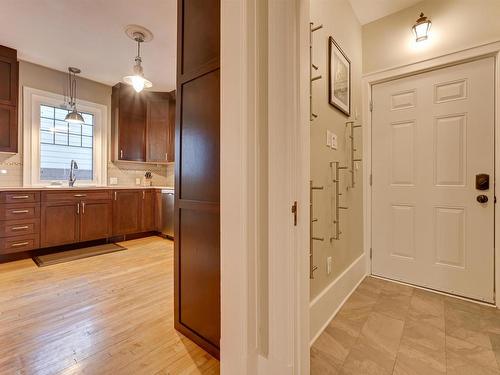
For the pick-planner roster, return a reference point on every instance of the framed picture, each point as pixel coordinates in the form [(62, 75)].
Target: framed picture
[(339, 78)]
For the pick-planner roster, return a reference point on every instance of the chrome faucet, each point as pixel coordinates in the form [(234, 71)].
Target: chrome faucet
[(72, 177)]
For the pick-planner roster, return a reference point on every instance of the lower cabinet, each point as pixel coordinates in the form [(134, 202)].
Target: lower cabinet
[(127, 206), (95, 220), (71, 222), (133, 211), (59, 224), (148, 222)]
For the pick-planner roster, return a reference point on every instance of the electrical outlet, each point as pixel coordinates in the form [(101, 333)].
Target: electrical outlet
[(328, 265), (113, 180)]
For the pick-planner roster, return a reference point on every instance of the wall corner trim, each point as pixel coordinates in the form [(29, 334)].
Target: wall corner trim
[(326, 305)]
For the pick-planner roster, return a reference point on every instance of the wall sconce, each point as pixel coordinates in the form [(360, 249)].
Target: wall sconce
[(421, 28)]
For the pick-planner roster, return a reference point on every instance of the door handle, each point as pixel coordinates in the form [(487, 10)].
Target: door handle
[(482, 198)]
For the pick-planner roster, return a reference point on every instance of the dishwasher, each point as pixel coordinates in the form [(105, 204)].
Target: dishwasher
[(167, 213)]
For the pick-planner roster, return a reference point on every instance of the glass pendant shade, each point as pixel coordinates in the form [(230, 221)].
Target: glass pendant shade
[(421, 28)]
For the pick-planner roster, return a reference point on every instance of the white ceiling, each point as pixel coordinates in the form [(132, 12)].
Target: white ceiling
[(371, 10), (89, 34)]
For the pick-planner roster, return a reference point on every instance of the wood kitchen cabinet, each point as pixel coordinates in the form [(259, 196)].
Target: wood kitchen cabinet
[(76, 216), (59, 224), (9, 84), (127, 205), (95, 220), (128, 119), (148, 222), (143, 125)]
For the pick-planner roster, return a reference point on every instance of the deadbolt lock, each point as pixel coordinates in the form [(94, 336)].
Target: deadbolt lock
[(482, 181)]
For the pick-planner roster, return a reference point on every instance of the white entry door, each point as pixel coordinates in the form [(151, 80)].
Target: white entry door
[(432, 134)]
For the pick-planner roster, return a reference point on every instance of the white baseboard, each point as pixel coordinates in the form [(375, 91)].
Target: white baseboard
[(325, 306)]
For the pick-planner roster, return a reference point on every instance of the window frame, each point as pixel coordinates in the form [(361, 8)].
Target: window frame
[(33, 99)]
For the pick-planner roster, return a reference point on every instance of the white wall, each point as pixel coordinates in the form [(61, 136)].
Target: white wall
[(456, 25)]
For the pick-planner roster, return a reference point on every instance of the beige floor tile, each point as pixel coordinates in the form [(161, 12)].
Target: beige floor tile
[(422, 350), (393, 304), (388, 328), (367, 360), (465, 358), (466, 325)]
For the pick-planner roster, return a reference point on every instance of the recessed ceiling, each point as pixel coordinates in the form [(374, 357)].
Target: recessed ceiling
[(370, 10), (90, 34)]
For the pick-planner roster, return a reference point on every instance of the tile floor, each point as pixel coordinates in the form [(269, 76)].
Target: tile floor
[(389, 328)]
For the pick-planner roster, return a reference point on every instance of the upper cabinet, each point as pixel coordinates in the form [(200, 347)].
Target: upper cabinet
[(9, 83), (142, 125)]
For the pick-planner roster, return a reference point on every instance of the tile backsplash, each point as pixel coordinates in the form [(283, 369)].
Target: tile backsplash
[(127, 173), (11, 172)]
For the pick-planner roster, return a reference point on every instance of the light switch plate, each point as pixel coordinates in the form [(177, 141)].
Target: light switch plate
[(334, 141), (328, 138)]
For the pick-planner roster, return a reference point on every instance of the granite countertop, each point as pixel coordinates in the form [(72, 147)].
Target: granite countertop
[(112, 187)]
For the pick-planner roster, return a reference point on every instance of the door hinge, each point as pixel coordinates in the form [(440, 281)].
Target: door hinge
[(294, 212), (371, 179), (371, 105), (371, 253)]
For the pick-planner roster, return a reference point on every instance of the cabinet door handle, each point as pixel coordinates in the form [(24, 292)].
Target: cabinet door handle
[(78, 208), (83, 208), (121, 154), (115, 195), (20, 196), (20, 211), (20, 228), (80, 195), (143, 194), (18, 244)]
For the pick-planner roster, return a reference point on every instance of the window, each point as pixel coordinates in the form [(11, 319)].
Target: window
[(50, 143), (61, 142)]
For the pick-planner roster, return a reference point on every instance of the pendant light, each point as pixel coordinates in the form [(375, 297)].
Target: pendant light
[(73, 116), (137, 80), (421, 28)]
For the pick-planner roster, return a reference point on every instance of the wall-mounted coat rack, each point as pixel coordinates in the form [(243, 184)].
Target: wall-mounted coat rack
[(312, 68), (335, 170), (352, 126), (312, 267)]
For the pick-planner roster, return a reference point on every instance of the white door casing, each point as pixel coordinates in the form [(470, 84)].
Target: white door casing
[(431, 134)]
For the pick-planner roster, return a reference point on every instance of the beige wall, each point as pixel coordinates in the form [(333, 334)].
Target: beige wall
[(39, 77), (339, 22), (456, 25)]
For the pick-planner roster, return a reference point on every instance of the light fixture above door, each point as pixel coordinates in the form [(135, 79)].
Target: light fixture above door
[(73, 116), (140, 35), (421, 28)]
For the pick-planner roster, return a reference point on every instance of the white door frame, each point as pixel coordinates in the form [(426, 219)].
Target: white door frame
[(287, 350), (485, 50)]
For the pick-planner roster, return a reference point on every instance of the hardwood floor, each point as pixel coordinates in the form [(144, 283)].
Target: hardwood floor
[(110, 314), (387, 328)]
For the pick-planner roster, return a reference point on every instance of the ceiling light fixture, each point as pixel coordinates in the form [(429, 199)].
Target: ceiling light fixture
[(73, 116), (140, 35), (421, 28)]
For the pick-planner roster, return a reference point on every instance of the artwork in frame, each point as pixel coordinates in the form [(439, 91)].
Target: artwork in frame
[(339, 78)]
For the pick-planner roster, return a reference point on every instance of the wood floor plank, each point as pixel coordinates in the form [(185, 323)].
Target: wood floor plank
[(107, 314)]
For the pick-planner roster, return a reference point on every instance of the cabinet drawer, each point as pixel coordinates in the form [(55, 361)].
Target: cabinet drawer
[(19, 243), (19, 211), (11, 228), (75, 196), (20, 197)]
